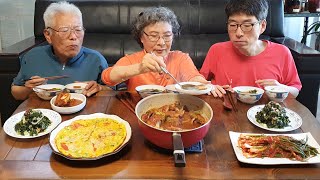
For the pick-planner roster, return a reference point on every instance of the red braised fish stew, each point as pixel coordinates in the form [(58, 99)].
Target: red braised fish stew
[(174, 117)]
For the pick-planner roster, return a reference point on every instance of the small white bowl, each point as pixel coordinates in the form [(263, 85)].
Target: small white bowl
[(147, 90), (276, 93), (194, 91), (171, 88), (70, 110), (47, 91), (76, 87), (243, 94)]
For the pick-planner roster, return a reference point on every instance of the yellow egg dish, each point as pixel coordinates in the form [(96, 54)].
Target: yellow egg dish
[(90, 138)]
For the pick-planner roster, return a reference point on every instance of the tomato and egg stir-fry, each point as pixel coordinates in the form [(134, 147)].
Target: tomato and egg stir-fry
[(280, 146)]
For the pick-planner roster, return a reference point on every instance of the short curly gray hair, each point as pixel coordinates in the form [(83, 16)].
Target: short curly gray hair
[(153, 15)]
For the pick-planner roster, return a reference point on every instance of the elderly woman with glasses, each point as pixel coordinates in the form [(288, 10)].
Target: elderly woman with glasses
[(63, 56), (246, 60), (153, 29)]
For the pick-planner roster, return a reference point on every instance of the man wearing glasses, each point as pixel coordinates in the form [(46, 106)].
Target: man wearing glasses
[(63, 56), (245, 60), (153, 29)]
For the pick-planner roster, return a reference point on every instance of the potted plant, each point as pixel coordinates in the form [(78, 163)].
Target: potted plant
[(313, 29)]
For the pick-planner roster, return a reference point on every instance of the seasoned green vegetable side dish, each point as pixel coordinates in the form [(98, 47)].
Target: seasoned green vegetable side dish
[(32, 123), (273, 115)]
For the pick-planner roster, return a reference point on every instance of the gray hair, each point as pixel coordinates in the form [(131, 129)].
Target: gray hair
[(257, 8), (59, 7), (153, 15)]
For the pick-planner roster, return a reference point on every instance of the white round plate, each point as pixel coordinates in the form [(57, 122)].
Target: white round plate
[(295, 119), (76, 87), (8, 126), (88, 117), (149, 89), (171, 88), (209, 87)]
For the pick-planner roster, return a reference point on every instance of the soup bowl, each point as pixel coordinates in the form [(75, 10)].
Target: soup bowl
[(48, 91), (248, 94), (276, 93)]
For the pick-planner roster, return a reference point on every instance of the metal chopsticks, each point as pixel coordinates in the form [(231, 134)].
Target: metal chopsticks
[(231, 99), (126, 101), (56, 77), (50, 77)]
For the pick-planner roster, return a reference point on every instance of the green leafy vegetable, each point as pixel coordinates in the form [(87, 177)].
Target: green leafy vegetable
[(32, 123), (273, 115)]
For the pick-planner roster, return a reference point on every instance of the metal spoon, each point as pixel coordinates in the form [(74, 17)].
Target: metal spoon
[(167, 72), (183, 86)]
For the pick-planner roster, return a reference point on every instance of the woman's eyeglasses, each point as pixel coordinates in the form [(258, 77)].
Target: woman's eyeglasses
[(155, 38)]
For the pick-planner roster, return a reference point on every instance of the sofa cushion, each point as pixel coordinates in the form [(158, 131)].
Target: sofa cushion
[(195, 16)]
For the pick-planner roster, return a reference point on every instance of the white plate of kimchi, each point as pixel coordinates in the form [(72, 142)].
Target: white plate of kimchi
[(254, 148)]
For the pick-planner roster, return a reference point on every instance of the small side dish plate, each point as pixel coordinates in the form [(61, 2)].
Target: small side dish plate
[(54, 133), (76, 87), (171, 88), (295, 119), (234, 136), (149, 89), (208, 88), (8, 126)]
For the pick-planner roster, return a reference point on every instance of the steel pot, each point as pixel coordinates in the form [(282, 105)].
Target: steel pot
[(175, 140)]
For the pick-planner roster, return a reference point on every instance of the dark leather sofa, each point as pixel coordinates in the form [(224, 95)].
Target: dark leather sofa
[(108, 25)]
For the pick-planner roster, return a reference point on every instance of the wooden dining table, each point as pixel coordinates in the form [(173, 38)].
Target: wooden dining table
[(139, 159)]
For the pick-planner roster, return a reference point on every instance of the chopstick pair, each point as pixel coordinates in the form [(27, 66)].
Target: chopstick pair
[(56, 77), (231, 100), (125, 98), (50, 77)]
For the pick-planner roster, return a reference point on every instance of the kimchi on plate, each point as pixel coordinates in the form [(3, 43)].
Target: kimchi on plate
[(271, 149)]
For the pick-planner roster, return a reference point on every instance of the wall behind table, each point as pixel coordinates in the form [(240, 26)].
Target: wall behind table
[(16, 21), (294, 26)]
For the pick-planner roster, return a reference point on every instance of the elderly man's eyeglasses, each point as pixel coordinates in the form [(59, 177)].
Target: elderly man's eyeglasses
[(155, 38), (64, 32), (245, 27)]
